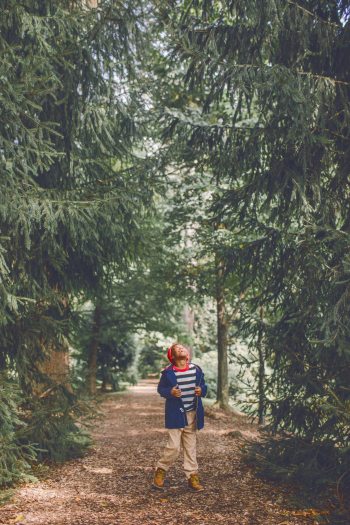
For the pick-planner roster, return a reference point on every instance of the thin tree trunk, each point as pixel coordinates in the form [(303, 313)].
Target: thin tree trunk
[(222, 329), (222, 393), (188, 313), (93, 349), (104, 380), (188, 317), (261, 382)]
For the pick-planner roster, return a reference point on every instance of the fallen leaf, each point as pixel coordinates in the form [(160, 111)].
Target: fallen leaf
[(18, 518)]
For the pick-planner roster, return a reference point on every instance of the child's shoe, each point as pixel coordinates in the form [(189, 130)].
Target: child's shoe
[(194, 484), (158, 480)]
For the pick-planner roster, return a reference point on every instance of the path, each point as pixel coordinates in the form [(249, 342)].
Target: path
[(111, 484)]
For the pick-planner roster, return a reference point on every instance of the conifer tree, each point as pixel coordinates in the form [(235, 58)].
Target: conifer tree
[(275, 117), (72, 191)]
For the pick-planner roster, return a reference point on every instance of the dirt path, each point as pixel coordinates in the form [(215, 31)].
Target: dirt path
[(111, 484)]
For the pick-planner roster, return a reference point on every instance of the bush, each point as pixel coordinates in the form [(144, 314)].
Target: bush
[(56, 425), (208, 361), (15, 456)]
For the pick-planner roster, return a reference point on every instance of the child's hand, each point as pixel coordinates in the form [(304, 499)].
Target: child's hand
[(198, 391), (175, 391)]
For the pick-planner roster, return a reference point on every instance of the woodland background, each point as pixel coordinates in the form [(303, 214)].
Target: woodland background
[(176, 170)]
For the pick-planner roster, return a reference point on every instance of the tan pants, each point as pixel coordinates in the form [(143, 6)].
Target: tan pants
[(186, 436)]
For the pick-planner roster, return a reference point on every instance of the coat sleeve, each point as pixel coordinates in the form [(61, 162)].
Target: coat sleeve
[(163, 387), (203, 385)]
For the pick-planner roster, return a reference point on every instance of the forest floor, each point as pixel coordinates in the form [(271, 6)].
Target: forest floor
[(111, 484)]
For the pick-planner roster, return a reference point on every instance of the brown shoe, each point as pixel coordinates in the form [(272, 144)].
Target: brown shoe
[(158, 480), (194, 483)]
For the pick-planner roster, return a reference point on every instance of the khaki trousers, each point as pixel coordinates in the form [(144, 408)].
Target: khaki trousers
[(186, 436)]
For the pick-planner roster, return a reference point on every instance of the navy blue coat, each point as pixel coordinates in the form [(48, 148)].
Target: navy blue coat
[(175, 414)]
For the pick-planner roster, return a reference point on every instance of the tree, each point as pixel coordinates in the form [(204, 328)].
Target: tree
[(72, 192), (275, 116), (190, 176)]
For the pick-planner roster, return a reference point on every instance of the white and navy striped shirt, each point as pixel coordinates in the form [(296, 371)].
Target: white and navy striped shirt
[(187, 382)]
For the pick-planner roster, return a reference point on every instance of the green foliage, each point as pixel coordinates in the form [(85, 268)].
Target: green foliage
[(151, 360), (58, 424), (113, 359), (72, 191), (16, 456), (315, 466), (271, 124), (245, 152), (115, 347), (300, 461)]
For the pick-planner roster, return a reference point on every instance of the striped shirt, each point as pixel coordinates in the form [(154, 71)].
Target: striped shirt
[(187, 382)]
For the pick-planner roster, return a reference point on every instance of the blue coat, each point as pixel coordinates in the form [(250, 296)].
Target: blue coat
[(175, 414)]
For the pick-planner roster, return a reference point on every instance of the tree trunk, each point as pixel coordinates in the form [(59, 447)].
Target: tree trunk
[(91, 4), (55, 366), (104, 380), (93, 349), (222, 329), (188, 317), (261, 382)]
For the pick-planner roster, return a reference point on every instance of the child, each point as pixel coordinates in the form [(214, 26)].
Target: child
[(182, 385)]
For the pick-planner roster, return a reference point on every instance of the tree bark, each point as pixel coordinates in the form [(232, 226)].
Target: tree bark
[(222, 397), (261, 381), (91, 4), (55, 366), (55, 349), (188, 317), (93, 350)]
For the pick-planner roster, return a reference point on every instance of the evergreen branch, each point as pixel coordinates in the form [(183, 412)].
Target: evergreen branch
[(310, 13), (298, 71), (201, 56), (99, 25)]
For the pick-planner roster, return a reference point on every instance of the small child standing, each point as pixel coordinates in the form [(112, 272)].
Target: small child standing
[(182, 385)]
